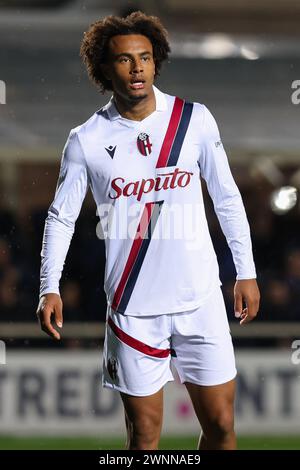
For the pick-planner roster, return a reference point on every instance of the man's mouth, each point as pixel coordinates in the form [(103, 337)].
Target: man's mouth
[(137, 84)]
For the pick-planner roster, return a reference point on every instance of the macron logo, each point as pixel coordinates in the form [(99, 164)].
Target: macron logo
[(111, 150)]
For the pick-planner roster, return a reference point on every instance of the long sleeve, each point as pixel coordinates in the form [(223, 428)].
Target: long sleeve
[(70, 192), (226, 198)]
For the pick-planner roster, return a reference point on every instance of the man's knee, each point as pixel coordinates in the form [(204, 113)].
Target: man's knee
[(145, 430), (220, 425)]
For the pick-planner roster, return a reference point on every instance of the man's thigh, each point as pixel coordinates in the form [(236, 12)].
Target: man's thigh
[(213, 404), (144, 411)]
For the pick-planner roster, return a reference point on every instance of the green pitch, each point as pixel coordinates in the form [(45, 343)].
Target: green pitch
[(168, 442)]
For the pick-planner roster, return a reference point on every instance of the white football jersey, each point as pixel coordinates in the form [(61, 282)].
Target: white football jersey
[(145, 179)]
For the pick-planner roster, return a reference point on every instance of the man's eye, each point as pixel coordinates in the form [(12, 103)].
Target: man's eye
[(124, 59), (146, 58)]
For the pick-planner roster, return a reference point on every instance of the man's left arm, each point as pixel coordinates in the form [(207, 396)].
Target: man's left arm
[(231, 214)]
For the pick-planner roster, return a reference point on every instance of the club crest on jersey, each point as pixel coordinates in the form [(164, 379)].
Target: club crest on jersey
[(143, 143)]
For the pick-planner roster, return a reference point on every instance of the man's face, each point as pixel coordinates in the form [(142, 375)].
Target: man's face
[(130, 66)]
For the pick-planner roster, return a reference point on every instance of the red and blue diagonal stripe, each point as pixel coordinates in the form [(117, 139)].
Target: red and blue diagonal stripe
[(136, 256), (169, 154), (175, 134)]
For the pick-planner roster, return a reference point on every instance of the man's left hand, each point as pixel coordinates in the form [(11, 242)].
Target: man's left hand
[(246, 290)]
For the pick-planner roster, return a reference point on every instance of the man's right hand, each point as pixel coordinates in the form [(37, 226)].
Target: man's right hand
[(50, 304)]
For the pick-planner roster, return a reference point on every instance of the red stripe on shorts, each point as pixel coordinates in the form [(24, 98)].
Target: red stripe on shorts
[(136, 344)]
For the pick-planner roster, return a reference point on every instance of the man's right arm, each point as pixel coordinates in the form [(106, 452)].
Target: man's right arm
[(70, 192)]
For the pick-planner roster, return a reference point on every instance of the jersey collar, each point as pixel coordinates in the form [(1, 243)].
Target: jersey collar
[(113, 113)]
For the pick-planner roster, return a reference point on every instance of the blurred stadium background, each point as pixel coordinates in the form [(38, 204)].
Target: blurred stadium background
[(239, 57)]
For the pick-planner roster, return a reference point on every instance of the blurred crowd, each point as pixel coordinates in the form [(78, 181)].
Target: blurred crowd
[(276, 244), (81, 284)]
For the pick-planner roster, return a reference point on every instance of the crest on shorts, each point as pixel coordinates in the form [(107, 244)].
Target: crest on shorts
[(112, 367), (143, 143)]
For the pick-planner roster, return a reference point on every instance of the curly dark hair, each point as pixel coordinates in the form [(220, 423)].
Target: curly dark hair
[(94, 46)]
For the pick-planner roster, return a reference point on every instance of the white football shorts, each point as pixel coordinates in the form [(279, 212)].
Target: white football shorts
[(138, 351)]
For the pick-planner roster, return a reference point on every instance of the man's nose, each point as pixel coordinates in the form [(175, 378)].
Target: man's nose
[(137, 66)]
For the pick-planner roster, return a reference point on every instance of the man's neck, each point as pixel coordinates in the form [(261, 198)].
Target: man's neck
[(136, 110)]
